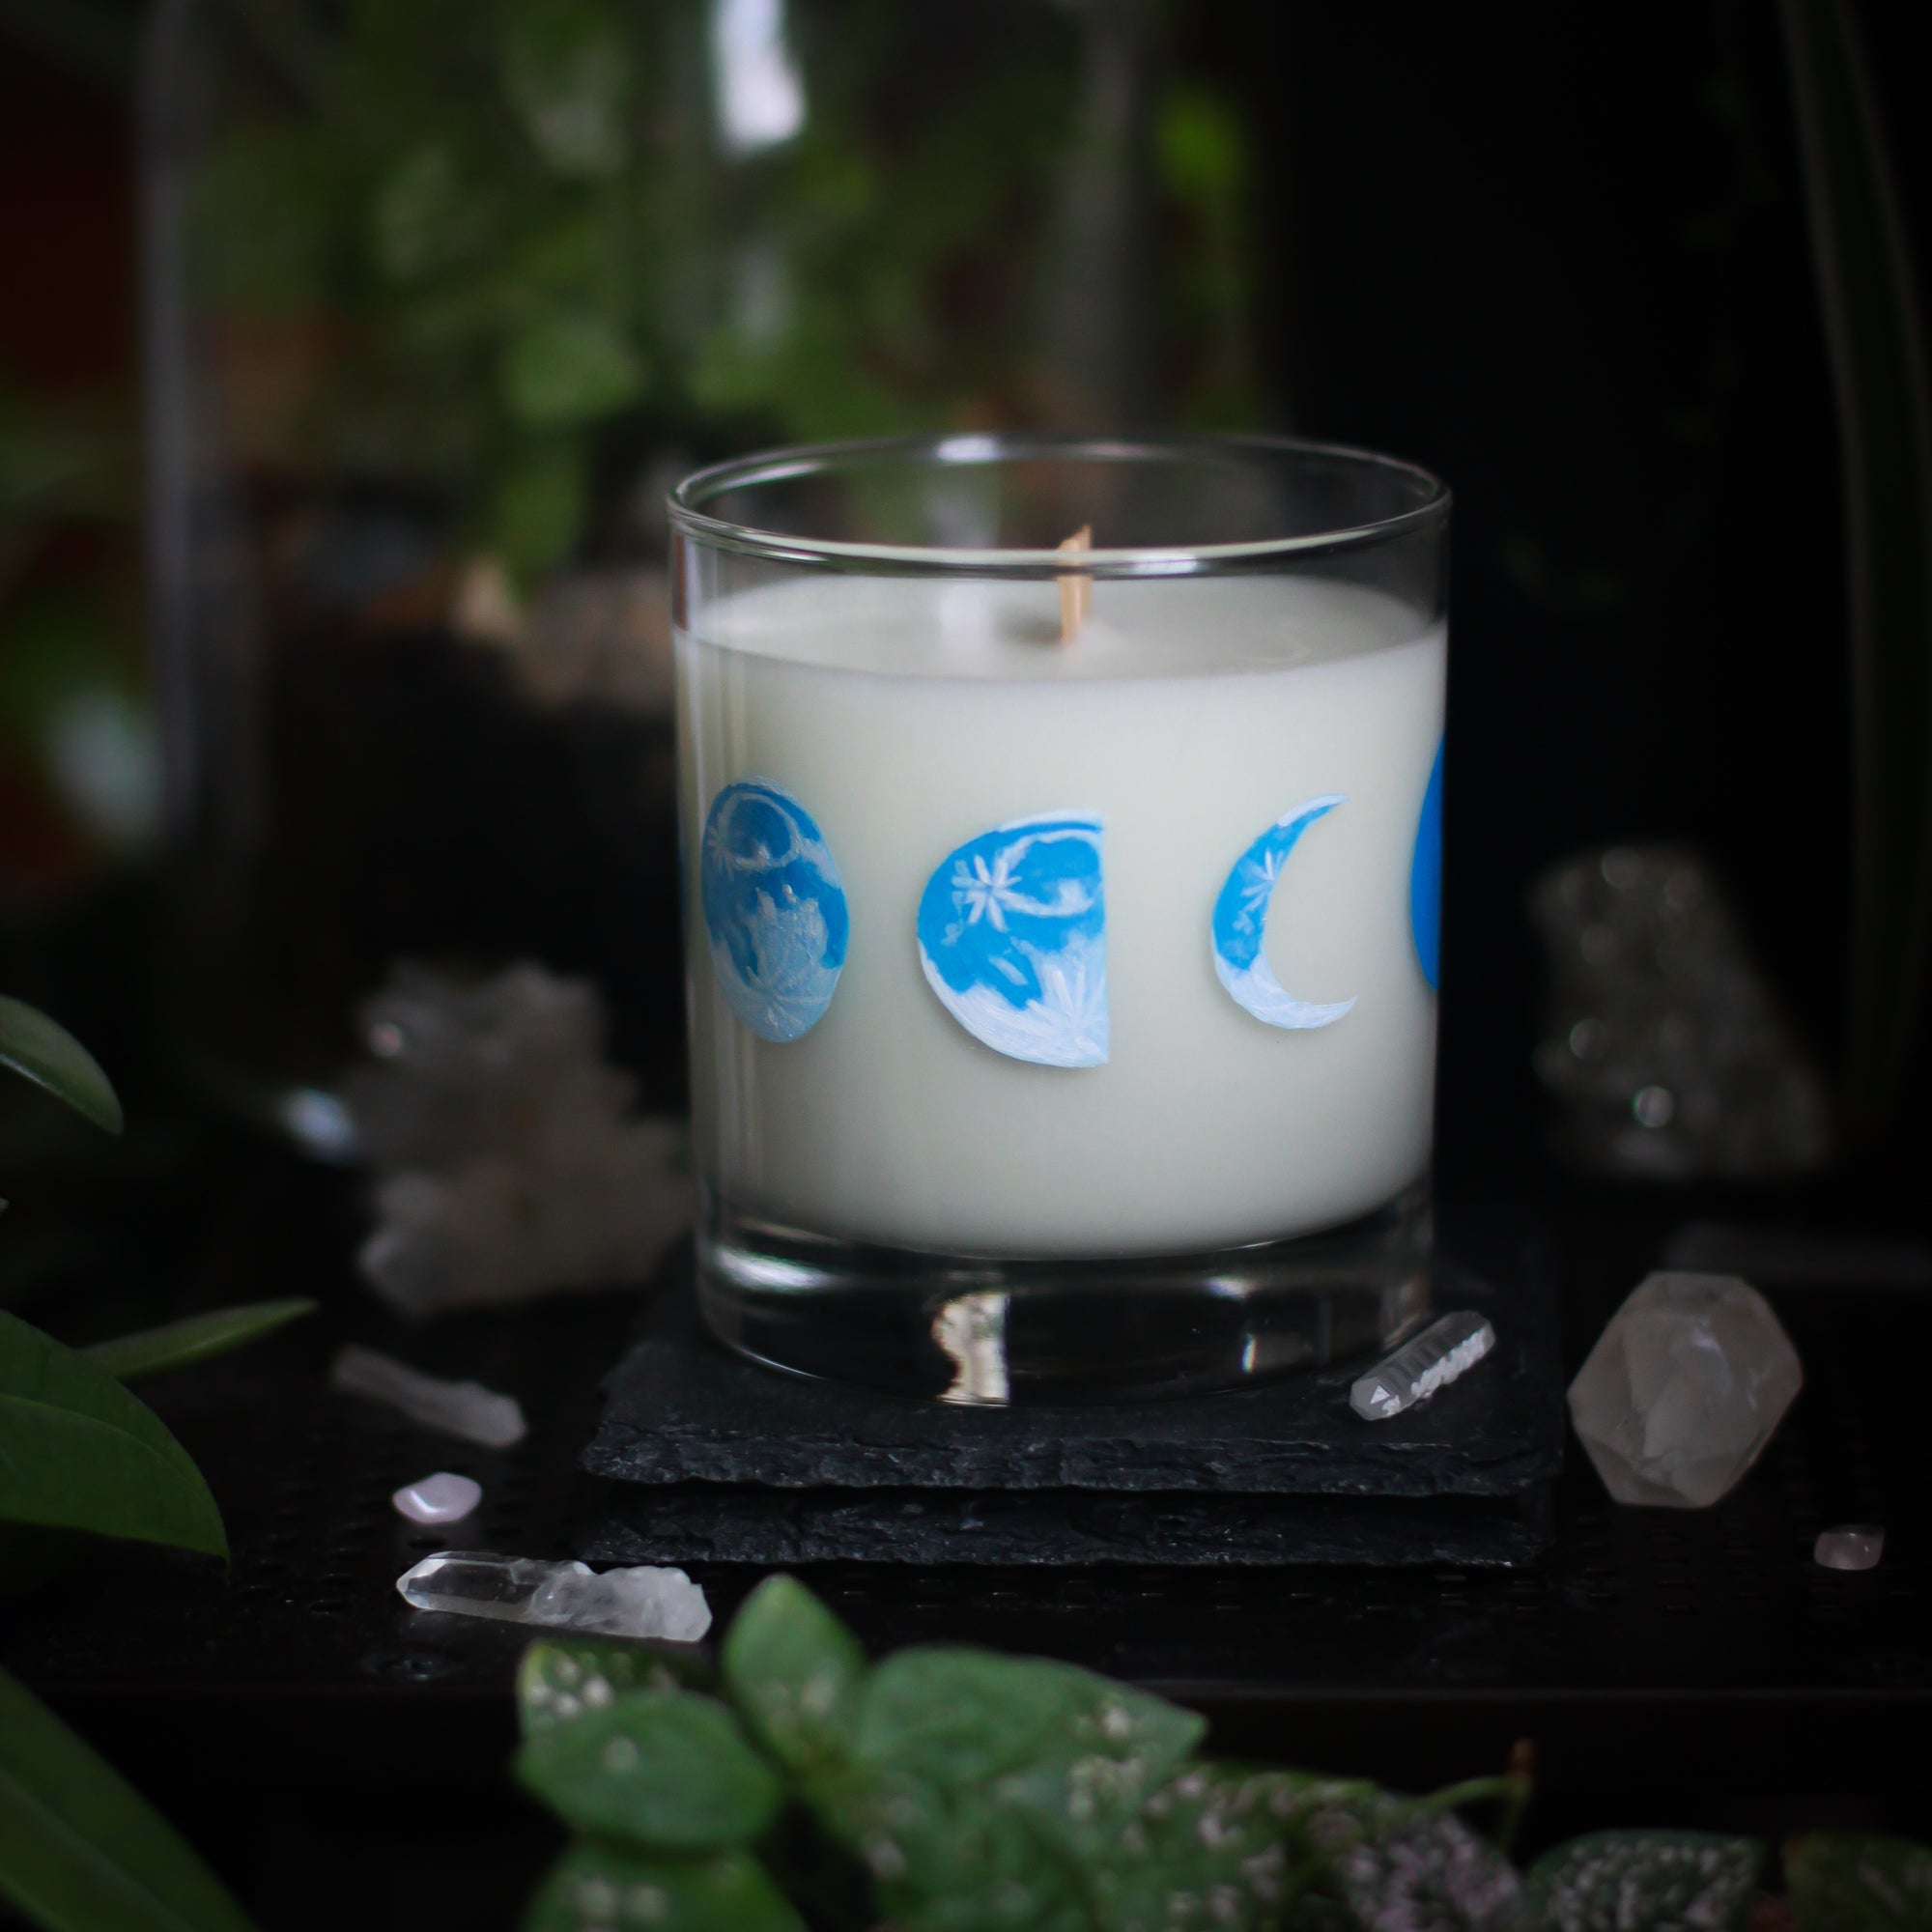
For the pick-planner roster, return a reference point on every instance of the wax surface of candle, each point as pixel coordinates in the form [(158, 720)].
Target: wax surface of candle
[(911, 715)]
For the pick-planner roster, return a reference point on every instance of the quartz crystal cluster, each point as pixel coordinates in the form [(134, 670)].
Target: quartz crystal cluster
[(1663, 1046), (508, 1162), (1684, 1389)]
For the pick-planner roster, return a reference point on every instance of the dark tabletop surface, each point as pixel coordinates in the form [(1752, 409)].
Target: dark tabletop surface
[(338, 1756)]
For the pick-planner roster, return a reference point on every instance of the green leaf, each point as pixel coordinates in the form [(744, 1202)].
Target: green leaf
[(794, 1671), (197, 1339), (950, 1860), (562, 370), (985, 1790), (968, 1716), (48, 1055), (78, 1452), (561, 1679), (599, 1888), (1859, 1882), (1214, 1845), (1645, 1882), (666, 1771), (80, 1851)]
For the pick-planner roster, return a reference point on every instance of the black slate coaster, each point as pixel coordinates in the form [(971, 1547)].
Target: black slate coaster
[(705, 1523), (681, 1409)]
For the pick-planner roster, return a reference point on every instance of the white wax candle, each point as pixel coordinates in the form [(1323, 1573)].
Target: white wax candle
[(910, 715)]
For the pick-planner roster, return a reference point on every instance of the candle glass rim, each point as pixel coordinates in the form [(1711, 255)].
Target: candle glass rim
[(690, 518)]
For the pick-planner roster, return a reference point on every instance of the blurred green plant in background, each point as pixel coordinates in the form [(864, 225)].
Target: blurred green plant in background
[(499, 252)]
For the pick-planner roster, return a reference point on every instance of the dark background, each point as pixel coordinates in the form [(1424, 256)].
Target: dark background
[(1559, 259)]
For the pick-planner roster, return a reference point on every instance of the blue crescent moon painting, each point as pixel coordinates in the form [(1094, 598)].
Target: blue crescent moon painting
[(1013, 937), (1240, 924), (773, 908), (1425, 878)]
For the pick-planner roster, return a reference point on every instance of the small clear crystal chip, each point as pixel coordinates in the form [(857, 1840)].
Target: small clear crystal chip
[(443, 1498), (1442, 1351), (1856, 1545)]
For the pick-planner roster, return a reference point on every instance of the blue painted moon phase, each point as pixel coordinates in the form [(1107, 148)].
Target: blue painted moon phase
[(773, 909), (1425, 878), (1012, 938), (1240, 924)]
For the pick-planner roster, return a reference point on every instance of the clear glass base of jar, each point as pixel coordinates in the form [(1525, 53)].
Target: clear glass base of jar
[(1010, 1333)]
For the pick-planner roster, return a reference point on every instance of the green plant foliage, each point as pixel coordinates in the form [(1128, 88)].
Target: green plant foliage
[(1219, 1843), (969, 1717), (567, 73), (1630, 1881), (1403, 1867), (44, 1052), (520, 219), (794, 1671), (596, 1888), (78, 1452), (199, 1338), (956, 1790), (79, 1848), (665, 1771), (1859, 1882), (560, 1680)]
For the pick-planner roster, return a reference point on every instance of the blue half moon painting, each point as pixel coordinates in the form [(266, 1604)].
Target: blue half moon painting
[(1013, 937), (1425, 878), (773, 909), (1240, 924)]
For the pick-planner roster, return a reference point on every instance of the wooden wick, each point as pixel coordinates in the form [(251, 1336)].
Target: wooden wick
[(1076, 589)]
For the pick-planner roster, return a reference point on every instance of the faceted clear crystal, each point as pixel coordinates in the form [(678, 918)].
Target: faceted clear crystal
[(643, 1602), (1442, 1351), (1858, 1546), (1684, 1389), (443, 1498)]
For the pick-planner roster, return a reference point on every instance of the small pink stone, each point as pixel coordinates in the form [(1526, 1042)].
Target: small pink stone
[(438, 1498)]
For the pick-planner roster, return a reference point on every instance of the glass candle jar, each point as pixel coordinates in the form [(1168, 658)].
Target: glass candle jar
[(1061, 831)]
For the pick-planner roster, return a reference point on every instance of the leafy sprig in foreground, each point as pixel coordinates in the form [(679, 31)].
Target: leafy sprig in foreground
[(956, 1790)]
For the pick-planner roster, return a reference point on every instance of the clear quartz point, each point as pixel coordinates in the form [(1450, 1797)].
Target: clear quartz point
[(467, 1410), (1442, 1351), (643, 1602)]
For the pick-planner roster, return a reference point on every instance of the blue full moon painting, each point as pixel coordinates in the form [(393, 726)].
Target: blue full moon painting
[(1012, 938), (773, 908), (1240, 924)]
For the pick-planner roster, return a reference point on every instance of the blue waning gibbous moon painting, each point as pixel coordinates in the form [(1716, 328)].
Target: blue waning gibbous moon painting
[(774, 909), (1425, 878), (1013, 937), (1240, 924)]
